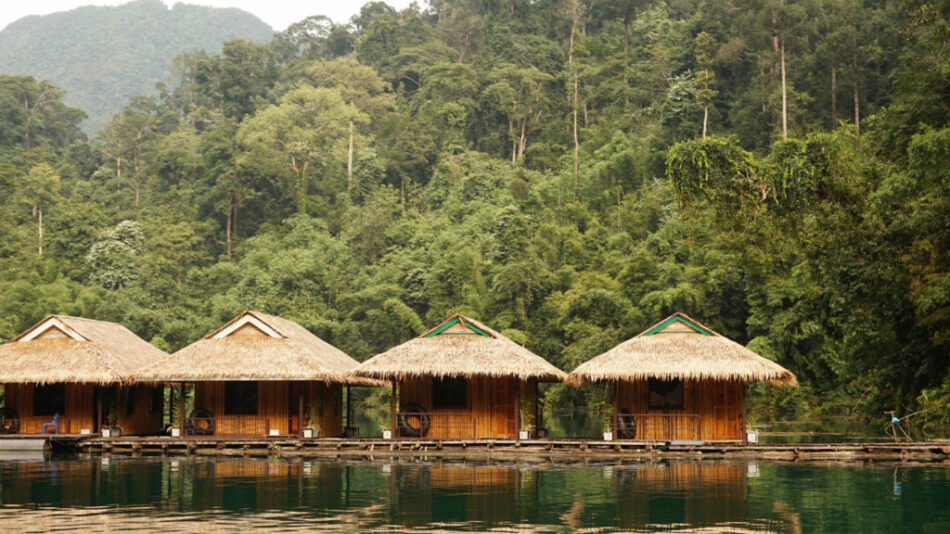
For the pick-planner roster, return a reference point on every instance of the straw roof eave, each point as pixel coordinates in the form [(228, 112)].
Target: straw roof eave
[(445, 356), (687, 356), (297, 355), (105, 353)]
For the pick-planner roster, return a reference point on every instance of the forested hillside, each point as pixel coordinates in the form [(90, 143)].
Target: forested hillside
[(102, 56), (567, 171)]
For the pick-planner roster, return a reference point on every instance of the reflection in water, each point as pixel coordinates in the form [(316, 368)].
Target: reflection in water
[(188, 494)]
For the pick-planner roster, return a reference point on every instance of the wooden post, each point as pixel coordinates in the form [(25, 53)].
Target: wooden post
[(613, 399), (521, 385), (538, 409), (181, 409), (392, 409), (115, 412), (99, 408), (300, 388), (349, 407)]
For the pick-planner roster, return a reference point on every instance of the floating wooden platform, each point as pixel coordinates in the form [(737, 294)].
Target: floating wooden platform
[(39, 442), (541, 450)]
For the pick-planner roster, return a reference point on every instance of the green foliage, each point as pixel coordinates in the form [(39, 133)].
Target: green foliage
[(369, 179), (113, 260)]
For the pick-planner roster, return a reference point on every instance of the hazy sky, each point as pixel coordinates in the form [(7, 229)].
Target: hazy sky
[(277, 13)]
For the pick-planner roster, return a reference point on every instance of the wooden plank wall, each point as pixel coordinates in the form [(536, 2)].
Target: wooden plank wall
[(80, 408), (278, 407), (492, 402), (142, 421), (720, 405)]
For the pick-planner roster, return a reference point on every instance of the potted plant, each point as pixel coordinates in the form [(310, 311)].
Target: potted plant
[(387, 433), (527, 419), (111, 430), (606, 412), (312, 430)]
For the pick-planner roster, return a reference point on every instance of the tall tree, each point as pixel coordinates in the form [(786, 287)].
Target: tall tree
[(361, 88), (309, 126), (38, 189), (520, 93), (705, 75)]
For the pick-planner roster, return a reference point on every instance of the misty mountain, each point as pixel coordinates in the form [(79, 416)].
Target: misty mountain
[(101, 56)]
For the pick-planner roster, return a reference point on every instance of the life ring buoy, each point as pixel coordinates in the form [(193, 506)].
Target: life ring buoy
[(626, 425), (201, 422), (9, 421), (413, 411)]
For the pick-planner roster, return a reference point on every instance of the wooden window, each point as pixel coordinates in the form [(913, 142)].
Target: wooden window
[(130, 394), (49, 400), (449, 393), (156, 400), (240, 398), (665, 394)]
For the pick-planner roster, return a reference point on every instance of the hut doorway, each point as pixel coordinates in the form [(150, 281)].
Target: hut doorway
[(504, 407)]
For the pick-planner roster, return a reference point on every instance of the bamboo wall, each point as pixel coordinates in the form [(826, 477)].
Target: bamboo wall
[(492, 407), (719, 405), (80, 408), (278, 408)]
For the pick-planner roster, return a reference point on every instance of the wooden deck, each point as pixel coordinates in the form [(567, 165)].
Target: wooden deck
[(540, 450)]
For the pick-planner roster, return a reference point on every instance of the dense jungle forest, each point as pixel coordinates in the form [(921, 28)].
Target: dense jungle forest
[(567, 171)]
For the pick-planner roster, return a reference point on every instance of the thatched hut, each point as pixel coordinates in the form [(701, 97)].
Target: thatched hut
[(461, 380), (259, 375), (679, 380), (78, 368)]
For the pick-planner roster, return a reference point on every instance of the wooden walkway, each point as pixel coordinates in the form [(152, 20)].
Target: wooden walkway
[(540, 450)]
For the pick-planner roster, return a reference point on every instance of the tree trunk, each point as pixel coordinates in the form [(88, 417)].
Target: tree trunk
[(40, 230), (523, 141), (575, 19), (834, 97), (514, 142), (302, 193), (26, 135), (402, 192), (857, 95), (349, 162), (626, 62), (705, 118), (784, 90), (138, 188), (228, 226), (577, 144), (854, 73)]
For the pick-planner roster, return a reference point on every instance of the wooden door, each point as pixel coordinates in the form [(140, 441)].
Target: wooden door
[(727, 410), (504, 407)]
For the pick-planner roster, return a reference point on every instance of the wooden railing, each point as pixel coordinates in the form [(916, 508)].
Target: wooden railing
[(656, 427), (456, 424), (227, 425), (33, 425)]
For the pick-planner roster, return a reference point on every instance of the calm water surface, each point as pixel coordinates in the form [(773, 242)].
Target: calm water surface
[(109, 494)]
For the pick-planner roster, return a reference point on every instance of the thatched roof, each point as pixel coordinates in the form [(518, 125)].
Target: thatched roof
[(459, 347), (679, 347), (72, 349), (256, 346)]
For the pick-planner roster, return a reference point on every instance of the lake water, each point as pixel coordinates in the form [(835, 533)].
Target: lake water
[(198, 494)]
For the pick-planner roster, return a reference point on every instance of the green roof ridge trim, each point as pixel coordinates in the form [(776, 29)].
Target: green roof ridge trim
[(447, 324), (698, 329)]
